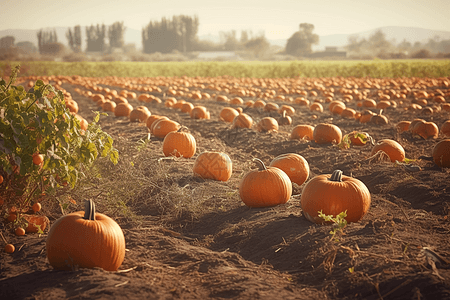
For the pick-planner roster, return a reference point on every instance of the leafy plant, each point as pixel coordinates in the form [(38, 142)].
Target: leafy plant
[(37, 123), (338, 222)]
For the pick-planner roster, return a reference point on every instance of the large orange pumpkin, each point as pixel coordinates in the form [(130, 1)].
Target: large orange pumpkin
[(333, 194), (327, 133), (294, 165), (179, 143), (441, 154), (162, 127), (213, 165), (200, 112), (85, 239), (392, 148), (265, 187), (267, 124), (302, 131), (243, 121), (426, 130), (227, 114)]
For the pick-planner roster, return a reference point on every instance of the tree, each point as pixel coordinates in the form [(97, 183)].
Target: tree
[(115, 35), (74, 38), (300, 43), (46, 37), (95, 37), (27, 47), (258, 45), (230, 41), (7, 42)]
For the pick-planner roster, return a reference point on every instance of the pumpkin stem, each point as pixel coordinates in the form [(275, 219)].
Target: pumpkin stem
[(284, 114), (89, 210), (260, 164), (336, 176)]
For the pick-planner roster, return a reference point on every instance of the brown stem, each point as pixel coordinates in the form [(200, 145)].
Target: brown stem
[(336, 176), (284, 114), (3, 238), (261, 165), (89, 210)]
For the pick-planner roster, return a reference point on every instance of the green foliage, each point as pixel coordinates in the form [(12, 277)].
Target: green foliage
[(37, 121), (339, 222), (257, 69)]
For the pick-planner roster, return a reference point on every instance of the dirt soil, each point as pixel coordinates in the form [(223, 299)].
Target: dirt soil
[(237, 252)]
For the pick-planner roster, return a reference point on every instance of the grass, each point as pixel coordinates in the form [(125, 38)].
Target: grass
[(283, 69)]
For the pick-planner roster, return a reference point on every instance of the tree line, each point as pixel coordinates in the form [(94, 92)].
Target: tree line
[(179, 33)]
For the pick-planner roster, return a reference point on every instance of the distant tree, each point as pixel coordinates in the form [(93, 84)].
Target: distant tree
[(115, 34), (27, 47), (245, 36), (258, 45), (230, 41), (404, 46), (300, 43), (7, 42), (378, 42), (53, 49), (46, 37), (423, 53), (95, 38), (74, 38)]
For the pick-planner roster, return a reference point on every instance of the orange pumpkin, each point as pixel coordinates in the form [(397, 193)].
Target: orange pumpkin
[(35, 222), (332, 194), (426, 130), (441, 154), (227, 114), (242, 120), (445, 128), (327, 133), (294, 165), (267, 124), (302, 131), (265, 187), (123, 109), (392, 148), (213, 165), (199, 112), (85, 239), (402, 126), (139, 114), (163, 126), (179, 143), (284, 120)]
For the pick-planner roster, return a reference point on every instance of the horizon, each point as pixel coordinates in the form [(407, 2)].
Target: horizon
[(278, 21)]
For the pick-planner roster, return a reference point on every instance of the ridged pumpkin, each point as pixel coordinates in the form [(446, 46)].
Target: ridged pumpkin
[(392, 148), (333, 194), (213, 165), (242, 121), (327, 133), (85, 239), (267, 124), (294, 165), (227, 114), (441, 154), (179, 143), (265, 187), (139, 114)]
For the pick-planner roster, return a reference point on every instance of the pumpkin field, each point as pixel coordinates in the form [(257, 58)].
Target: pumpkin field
[(233, 187)]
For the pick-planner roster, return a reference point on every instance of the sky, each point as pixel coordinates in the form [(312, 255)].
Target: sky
[(277, 19)]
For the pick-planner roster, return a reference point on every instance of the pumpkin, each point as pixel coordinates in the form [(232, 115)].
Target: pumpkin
[(366, 116), (379, 119), (139, 114), (441, 154), (265, 187), (213, 165), (123, 110), (199, 112), (85, 239), (357, 138), (302, 132), (414, 123), (445, 128), (187, 107), (152, 119), (402, 126), (9, 248), (316, 106), (327, 133), (267, 124), (426, 130), (227, 114), (271, 106), (19, 231), (242, 120), (348, 113), (35, 222), (392, 148), (289, 110), (162, 127), (284, 120), (294, 165), (332, 194), (109, 106), (179, 143)]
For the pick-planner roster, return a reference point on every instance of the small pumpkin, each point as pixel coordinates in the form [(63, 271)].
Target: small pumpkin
[(402, 126), (265, 187), (302, 131), (441, 154), (392, 148), (335, 193), (35, 222), (123, 109), (284, 120), (162, 127), (267, 124), (294, 165), (227, 114), (325, 133), (179, 143), (213, 165), (199, 112), (379, 119), (445, 128), (242, 121), (85, 239)]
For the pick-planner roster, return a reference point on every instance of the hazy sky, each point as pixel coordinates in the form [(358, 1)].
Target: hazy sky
[(278, 19)]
